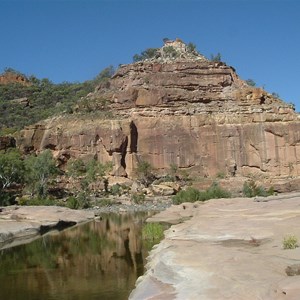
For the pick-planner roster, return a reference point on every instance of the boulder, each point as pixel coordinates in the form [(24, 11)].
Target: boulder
[(162, 190)]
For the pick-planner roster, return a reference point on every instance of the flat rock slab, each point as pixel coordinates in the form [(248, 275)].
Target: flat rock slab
[(228, 249), (20, 224)]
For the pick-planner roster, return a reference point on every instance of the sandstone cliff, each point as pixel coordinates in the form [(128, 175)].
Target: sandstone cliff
[(181, 109)]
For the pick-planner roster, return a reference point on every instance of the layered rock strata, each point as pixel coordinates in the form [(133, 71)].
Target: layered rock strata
[(183, 110)]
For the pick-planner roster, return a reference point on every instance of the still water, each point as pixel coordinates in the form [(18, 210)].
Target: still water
[(98, 260)]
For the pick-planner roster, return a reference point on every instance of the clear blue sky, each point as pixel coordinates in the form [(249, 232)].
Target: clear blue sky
[(73, 40)]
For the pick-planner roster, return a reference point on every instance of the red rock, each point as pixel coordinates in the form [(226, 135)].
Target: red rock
[(188, 111)]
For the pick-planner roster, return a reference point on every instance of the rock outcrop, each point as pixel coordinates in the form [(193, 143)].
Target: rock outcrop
[(19, 225), (10, 77), (229, 249), (179, 109)]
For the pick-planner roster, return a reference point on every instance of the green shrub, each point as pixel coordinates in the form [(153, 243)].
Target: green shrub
[(40, 170), (40, 201), (191, 47), (146, 54), (251, 189), (84, 200), (138, 198), (215, 192), (72, 202), (170, 51), (290, 242), (152, 231), (115, 189), (76, 167), (144, 172), (250, 82), (221, 175), (105, 202), (215, 58), (191, 194)]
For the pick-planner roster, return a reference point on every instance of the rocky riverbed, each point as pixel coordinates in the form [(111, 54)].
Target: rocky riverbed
[(226, 249)]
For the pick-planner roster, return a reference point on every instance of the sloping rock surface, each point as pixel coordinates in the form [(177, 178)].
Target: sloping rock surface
[(19, 224), (229, 249)]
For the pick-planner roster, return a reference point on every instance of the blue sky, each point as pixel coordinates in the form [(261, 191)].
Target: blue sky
[(73, 40)]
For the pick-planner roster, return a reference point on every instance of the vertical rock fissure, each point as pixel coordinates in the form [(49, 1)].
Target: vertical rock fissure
[(123, 153), (133, 138)]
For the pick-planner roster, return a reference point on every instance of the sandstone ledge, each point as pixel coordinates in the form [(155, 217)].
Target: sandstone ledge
[(21, 224), (228, 249)]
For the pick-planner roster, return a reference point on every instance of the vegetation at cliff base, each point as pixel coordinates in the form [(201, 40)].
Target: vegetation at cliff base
[(251, 189), (192, 194), (31, 174), (39, 171)]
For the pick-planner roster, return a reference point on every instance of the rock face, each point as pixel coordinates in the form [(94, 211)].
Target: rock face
[(183, 110), (229, 249), (13, 77)]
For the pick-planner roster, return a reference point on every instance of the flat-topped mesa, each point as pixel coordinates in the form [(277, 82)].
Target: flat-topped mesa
[(180, 79)]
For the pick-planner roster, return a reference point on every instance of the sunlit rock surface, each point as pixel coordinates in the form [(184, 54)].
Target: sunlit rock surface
[(228, 249), (22, 223), (184, 110)]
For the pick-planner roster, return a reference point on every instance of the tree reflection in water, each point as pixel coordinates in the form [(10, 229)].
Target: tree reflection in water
[(98, 260)]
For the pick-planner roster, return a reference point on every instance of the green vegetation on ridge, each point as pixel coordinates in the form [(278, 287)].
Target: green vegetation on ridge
[(42, 99)]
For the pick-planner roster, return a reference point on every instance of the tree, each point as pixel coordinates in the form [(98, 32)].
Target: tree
[(144, 172), (95, 169), (11, 168), (215, 58), (170, 51), (173, 170), (105, 74), (39, 170), (146, 54), (276, 95), (76, 167), (191, 47)]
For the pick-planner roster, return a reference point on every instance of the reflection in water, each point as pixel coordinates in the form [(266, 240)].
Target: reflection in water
[(98, 260)]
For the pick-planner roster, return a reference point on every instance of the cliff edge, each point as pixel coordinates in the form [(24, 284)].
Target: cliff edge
[(180, 108)]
